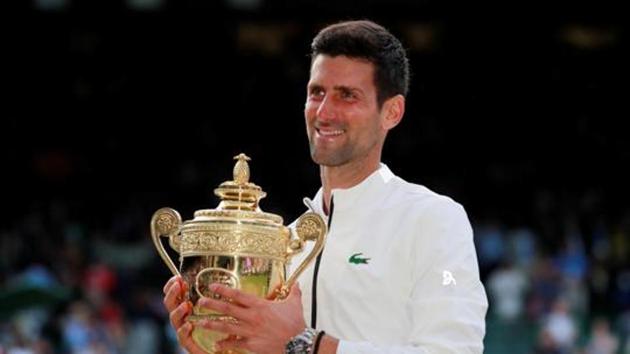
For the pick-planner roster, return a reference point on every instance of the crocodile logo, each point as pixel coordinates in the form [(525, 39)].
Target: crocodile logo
[(356, 259)]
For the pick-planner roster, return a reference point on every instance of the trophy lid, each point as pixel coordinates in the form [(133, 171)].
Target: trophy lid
[(239, 199)]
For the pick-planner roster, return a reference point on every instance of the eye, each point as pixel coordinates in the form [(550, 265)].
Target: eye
[(316, 92), (347, 95)]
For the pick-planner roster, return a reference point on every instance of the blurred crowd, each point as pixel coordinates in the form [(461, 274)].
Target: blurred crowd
[(560, 285), (75, 287)]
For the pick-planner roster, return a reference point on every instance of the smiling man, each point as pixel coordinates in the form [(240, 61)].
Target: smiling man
[(379, 284)]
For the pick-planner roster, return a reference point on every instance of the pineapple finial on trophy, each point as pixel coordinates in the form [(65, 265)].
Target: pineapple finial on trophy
[(241, 169)]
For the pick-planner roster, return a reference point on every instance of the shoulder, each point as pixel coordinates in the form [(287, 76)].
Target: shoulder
[(435, 220), (423, 201)]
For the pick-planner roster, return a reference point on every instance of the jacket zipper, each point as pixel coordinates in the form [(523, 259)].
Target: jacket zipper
[(316, 271)]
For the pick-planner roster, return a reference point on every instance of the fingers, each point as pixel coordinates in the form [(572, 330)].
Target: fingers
[(226, 308), (179, 314), (227, 327), (170, 283), (184, 337), (232, 342), (174, 294), (184, 333), (295, 290), (295, 293), (237, 296), (277, 293), (174, 291)]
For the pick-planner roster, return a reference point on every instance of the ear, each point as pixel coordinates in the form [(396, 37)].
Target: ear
[(393, 111)]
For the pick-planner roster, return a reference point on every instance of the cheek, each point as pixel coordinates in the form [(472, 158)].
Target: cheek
[(370, 126), (310, 110)]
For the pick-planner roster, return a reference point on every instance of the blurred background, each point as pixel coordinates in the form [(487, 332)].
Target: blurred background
[(114, 109)]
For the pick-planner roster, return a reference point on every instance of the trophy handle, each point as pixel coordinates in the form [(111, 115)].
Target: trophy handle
[(165, 222), (309, 227)]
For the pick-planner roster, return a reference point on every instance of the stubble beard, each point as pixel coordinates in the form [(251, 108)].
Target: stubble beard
[(330, 157)]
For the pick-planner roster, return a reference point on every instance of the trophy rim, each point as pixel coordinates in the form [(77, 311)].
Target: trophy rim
[(257, 217)]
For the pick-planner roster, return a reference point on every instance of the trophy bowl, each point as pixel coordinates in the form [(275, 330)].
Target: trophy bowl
[(237, 245)]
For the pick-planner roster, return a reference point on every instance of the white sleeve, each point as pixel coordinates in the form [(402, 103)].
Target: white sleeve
[(448, 303)]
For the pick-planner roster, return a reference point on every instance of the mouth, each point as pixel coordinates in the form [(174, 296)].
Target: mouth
[(330, 133)]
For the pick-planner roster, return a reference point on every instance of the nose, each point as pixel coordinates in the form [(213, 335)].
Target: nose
[(326, 110)]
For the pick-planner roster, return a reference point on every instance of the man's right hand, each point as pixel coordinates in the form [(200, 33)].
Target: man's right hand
[(178, 309)]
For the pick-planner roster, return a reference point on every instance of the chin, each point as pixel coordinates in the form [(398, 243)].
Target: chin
[(328, 158), (328, 161)]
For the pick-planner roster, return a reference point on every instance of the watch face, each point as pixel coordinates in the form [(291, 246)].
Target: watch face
[(301, 344), (297, 345)]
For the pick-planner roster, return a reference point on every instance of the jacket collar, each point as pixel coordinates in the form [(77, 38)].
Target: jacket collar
[(351, 197)]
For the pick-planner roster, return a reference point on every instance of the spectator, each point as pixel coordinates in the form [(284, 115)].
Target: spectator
[(507, 286), (561, 327), (602, 341)]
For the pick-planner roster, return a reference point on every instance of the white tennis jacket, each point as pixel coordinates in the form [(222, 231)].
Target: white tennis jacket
[(398, 273)]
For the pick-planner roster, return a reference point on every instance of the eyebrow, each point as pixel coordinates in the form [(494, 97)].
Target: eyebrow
[(347, 88), (337, 88)]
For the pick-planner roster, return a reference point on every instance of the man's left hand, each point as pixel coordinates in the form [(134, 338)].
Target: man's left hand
[(262, 325)]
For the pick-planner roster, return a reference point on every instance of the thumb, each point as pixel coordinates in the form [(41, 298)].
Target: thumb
[(295, 293)]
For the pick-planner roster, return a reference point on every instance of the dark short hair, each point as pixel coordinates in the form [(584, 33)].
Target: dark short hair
[(372, 42)]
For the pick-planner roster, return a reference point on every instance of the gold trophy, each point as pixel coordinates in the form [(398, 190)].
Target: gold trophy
[(237, 245)]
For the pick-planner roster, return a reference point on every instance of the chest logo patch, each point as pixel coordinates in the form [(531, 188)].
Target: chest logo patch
[(357, 259), (447, 278)]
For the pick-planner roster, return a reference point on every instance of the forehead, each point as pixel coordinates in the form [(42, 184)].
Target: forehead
[(342, 71)]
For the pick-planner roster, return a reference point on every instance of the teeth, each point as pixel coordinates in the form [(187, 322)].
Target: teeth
[(330, 132)]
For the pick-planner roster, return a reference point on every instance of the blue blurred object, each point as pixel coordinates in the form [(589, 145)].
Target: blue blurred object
[(35, 287)]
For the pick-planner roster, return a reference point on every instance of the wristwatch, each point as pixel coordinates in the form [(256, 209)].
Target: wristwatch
[(302, 343)]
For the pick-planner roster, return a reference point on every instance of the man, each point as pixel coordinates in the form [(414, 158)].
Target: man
[(398, 273)]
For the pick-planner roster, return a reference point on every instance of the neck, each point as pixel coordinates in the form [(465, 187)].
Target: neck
[(345, 176)]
